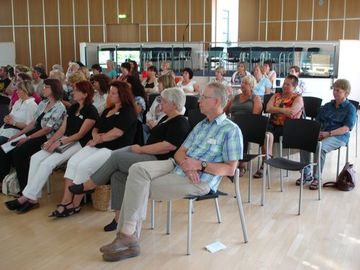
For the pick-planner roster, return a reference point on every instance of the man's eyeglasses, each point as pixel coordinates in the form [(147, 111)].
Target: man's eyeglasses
[(205, 97)]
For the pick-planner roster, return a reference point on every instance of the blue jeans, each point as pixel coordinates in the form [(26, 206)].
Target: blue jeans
[(327, 145)]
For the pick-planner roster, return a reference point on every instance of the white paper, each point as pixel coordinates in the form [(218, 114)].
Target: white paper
[(215, 247), (7, 147)]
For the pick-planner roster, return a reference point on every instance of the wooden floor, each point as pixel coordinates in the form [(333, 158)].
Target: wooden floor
[(325, 236)]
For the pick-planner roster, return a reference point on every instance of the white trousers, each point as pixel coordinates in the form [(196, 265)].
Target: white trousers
[(85, 162), (42, 164)]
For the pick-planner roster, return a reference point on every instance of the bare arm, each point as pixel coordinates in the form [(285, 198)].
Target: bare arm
[(257, 107)]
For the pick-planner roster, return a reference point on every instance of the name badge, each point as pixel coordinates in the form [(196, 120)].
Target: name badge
[(211, 141), (80, 116)]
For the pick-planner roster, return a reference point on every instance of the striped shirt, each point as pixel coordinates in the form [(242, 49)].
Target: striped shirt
[(217, 141)]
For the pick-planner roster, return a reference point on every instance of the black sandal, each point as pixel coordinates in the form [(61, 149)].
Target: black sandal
[(259, 173), (65, 213)]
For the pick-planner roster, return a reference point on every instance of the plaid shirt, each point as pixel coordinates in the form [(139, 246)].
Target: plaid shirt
[(217, 141), (52, 118)]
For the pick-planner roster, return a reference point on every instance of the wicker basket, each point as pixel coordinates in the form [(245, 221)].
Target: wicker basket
[(101, 198)]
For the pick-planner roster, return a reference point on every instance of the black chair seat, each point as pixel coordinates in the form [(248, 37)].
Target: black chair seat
[(286, 164), (210, 195), (248, 157)]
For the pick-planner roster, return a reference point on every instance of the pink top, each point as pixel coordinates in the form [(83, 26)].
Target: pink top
[(14, 98)]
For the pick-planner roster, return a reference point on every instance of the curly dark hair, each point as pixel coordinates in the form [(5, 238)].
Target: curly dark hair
[(56, 88), (104, 82)]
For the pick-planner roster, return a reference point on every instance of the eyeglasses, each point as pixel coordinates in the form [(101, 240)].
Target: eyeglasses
[(202, 97)]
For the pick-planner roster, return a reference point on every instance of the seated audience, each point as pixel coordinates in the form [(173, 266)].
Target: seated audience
[(14, 97), (22, 113), (110, 71), (337, 118), (219, 77), (269, 72), (263, 83), (101, 84), (187, 84), (125, 71), (134, 69), (211, 151), (139, 94), (73, 134), (37, 81), (164, 140), (282, 106), (115, 129), (4, 79), (96, 69), (47, 120), (150, 83), (72, 68), (239, 74), (301, 88)]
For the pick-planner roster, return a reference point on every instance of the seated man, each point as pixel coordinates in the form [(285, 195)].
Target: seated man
[(282, 106), (211, 150), (337, 118)]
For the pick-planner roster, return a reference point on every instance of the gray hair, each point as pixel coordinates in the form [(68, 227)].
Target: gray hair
[(175, 95), (220, 92)]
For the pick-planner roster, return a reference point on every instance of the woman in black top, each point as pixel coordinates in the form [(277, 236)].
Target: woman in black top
[(164, 140), (73, 134), (115, 129)]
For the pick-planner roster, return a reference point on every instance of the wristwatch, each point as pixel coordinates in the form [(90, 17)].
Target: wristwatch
[(204, 164)]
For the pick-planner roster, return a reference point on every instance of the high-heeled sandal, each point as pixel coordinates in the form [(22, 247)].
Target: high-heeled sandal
[(66, 211)]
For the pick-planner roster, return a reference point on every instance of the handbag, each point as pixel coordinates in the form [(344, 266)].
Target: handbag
[(346, 179), (10, 184)]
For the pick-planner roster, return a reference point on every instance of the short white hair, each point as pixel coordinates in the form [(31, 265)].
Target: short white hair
[(175, 95), (220, 92)]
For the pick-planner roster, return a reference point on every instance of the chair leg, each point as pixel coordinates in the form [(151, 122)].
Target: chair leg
[(301, 191), (240, 206), (250, 182), (152, 217), (169, 217), (281, 181), (338, 162), (264, 184), (319, 171), (218, 214), (48, 186), (268, 178), (190, 203)]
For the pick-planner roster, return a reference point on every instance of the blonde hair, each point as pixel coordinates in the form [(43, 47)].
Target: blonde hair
[(26, 86), (57, 74), (221, 70), (250, 80), (344, 85), (78, 76)]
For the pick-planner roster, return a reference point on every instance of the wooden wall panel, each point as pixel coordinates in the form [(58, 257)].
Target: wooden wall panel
[(66, 12), (305, 9), (207, 33), (110, 7), (248, 23), (335, 30), (304, 31), (182, 33), (337, 9), (154, 12), (352, 8), (125, 8), (53, 51), (197, 33), (6, 34), (139, 11), (142, 33), (182, 8), (352, 29), (20, 12), (168, 11), (122, 33), (51, 14), (273, 31), (321, 11), (289, 31), (67, 45), (319, 31), (96, 33), (168, 33), (274, 11), (5, 13), (36, 12), (81, 12), (96, 12), (208, 11), (197, 11), (22, 45), (82, 35), (290, 8), (154, 34), (263, 7), (37, 45), (262, 31)]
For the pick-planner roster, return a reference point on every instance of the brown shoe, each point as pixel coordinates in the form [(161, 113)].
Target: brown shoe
[(122, 255), (121, 242)]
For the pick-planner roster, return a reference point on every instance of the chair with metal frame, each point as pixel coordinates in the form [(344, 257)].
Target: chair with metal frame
[(356, 104), (253, 128), (312, 106), (307, 140)]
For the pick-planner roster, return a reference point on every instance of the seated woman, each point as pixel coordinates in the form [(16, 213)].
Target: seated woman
[(263, 83), (150, 83), (239, 74), (282, 106), (115, 129), (337, 118), (219, 77), (164, 140), (101, 83), (187, 84), (110, 71), (125, 71), (269, 72), (22, 113), (47, 120), (245, 103), (14, 96), (73, 134)]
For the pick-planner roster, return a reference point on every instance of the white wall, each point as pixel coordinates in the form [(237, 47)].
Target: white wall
[(7, 53)]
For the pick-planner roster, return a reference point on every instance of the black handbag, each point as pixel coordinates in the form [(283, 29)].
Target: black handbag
[(346, 179)]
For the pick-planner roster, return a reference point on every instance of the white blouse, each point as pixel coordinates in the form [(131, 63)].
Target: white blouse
[(99, 101)]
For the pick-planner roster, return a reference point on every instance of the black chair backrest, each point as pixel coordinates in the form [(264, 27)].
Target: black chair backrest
[(253, 127), (194, 117), (312, 106), (139, 135), (192, 102), (301, 134), (355, 103), (266, 100), (4, 108)]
